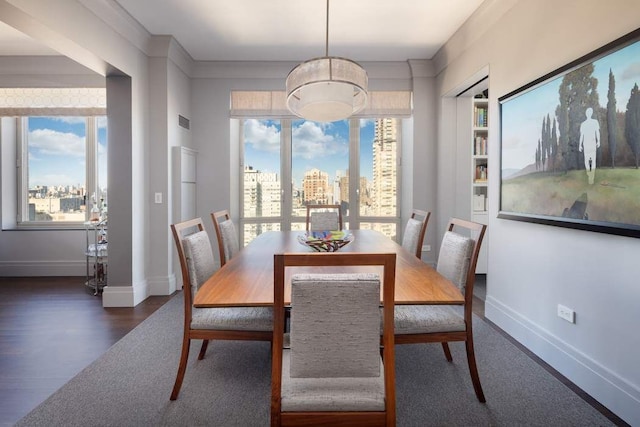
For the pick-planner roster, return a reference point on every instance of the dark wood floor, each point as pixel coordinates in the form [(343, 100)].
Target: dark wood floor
[(50, 329), (53, 327)]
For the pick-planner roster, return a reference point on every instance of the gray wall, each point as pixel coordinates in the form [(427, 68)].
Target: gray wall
[(218, 151), (533, 268)]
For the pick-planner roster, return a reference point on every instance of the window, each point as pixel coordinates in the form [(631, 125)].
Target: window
[(326, 163), (261, 197), (379, 167), (62, 173), (319, 167)]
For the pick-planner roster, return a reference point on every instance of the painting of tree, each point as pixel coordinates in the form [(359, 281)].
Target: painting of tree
[(567, 159), (632, 123)]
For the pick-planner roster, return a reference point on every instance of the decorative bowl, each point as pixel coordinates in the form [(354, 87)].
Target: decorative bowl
[(325, 241)]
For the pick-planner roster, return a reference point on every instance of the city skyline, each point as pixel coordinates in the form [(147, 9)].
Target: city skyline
[(314, 145), (320, 181)]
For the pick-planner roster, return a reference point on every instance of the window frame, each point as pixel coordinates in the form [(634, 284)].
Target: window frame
[(286, 218), (22, 173)]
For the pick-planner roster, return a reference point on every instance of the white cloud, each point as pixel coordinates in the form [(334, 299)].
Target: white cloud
[(310, 141), (51, 143), (365, 122), (69, 120), (631, 71), (261, 136)]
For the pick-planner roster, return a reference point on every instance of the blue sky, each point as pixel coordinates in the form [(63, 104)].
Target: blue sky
[(324, 146), (522, 116), (57, 151)]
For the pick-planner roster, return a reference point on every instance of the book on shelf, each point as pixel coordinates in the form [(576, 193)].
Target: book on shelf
[(480, 148), (481, 173), (480, 116)]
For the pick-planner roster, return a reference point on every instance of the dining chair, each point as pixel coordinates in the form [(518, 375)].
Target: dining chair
[(331, 372), (324, 217), (414, 232), (225, 323), (428, 323), (228, 244)]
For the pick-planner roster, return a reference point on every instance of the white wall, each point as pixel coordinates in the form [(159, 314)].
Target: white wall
[(97, 46), (419, 159), (170, 97), (532, 267), (53, 252)]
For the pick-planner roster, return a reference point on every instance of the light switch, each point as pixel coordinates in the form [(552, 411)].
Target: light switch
[(158, 198)]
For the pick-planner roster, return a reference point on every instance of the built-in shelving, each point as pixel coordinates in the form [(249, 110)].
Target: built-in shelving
[(480, 168)]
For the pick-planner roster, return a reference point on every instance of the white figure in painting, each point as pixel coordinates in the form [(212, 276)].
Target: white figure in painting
[(589, 143)]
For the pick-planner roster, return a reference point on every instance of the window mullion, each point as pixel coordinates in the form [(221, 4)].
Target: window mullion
[(91, 162), (354, 174), (285, 174), (23, 169)]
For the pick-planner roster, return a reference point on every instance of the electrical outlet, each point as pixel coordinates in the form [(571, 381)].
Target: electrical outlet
[(158, 198), (426, 248), (566, 313)]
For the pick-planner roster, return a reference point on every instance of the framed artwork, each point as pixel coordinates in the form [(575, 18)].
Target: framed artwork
[(570, 144)]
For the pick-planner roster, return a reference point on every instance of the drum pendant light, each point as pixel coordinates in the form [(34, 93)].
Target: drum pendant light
[(327, 88)]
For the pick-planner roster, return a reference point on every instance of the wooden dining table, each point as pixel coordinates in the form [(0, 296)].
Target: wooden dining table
[(247, 278)]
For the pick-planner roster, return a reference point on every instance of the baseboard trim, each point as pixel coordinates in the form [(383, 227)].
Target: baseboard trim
[(162, 285), (124, 296), (600, 382), (42, 268)]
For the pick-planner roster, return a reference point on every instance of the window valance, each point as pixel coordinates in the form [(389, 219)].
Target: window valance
[(273, 104), (53, 101)]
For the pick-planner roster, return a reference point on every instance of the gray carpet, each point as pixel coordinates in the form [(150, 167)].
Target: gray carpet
[(130, 385)]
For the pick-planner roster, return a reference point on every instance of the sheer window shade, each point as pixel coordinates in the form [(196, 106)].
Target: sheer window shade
[(273, 104), (53, 102)]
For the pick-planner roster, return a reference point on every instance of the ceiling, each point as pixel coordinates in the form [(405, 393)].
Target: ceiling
[(15, 43), (288, 30)]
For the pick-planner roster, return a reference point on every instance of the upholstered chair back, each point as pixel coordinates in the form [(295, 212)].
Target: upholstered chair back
[(322, 221), (411, 236), (335, 325), (200, 261), (229, 239), (454, 258)]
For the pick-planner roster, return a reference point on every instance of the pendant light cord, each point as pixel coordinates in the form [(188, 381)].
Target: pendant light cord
[(326, 47)]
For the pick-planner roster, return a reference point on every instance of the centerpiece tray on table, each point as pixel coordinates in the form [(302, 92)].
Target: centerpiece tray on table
[(325, 241)]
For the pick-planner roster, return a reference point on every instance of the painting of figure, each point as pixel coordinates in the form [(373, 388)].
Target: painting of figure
[(570, 144)]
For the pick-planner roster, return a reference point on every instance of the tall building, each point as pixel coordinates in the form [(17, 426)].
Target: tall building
[(385, 177), (315, 187), (261, 193), (250, 189), (269, 194), (341, 186), (261, 199), (344, 188), (385, 181), (365, 197)]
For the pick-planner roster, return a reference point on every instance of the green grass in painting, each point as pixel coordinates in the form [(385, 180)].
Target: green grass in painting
[(613, 197)]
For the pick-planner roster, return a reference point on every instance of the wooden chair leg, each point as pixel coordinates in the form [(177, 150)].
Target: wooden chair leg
[(447, 352), (203, 349), (473, 369), (182, 367)]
